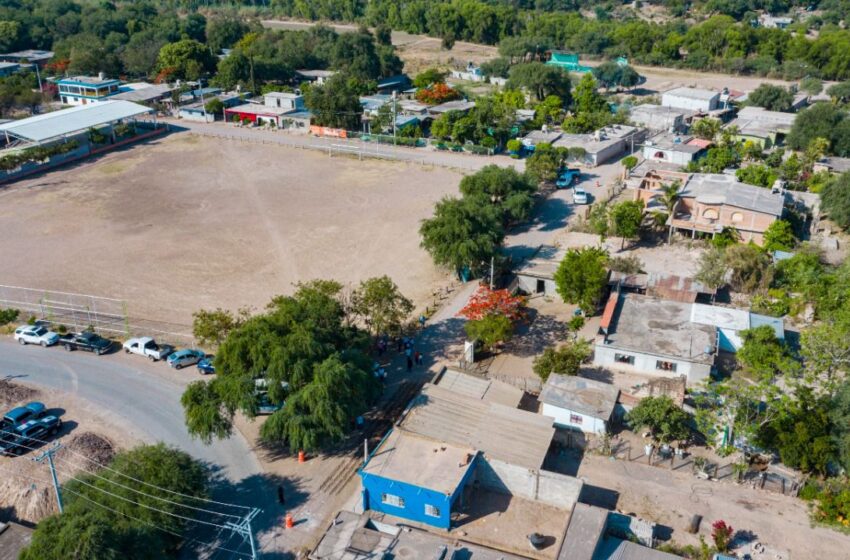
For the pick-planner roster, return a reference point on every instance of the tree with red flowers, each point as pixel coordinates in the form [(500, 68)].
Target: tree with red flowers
[(722, 533), (492, 315), (437, 93)]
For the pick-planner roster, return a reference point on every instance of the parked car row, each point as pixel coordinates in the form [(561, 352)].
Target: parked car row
[(24, 427), (91, 342)]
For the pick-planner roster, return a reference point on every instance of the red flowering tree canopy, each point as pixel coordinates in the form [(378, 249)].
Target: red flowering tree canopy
[(436, 94), (485, 302)]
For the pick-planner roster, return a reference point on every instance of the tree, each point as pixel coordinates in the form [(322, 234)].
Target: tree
[(779, 236), (839, 92), (839, 414), (224, 32), (462, 234), (587, 98), (821, 120), (380, 305), (540, 80), (759, 175), (626, 218), (336, 103), (210, 328), (511, 192), (835, 200), (706, 128), (662, 417), (304, 352), (437, 93), (726, 237), (214, 106), (186, 60), (811, 85), (383, 35), (544, 163), (490, 330), (825, 347), (428, 77), (712, 268), (771, 97), (629, 162), (563, 360), (152, 485), (749, 268), (486, 302), (613, 75), (763, 354), (582, 276)]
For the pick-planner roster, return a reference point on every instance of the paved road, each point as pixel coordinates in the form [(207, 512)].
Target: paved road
[(145, 396), (337, 146)]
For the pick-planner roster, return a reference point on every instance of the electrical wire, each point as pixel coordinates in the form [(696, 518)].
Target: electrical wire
[(173, 492)]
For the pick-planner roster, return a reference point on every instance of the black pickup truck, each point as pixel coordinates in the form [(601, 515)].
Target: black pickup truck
[(87, 341)]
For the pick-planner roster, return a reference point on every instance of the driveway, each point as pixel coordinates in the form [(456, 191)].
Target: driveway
[(144, 398)]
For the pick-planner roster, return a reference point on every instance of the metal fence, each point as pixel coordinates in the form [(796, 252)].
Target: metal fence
[(77, 312)]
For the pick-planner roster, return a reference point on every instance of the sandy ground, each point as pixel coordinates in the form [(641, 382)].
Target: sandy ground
[(185, 223), (25, 488), (672, 497)]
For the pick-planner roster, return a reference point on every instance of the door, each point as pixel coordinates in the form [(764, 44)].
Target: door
[(541, 287)]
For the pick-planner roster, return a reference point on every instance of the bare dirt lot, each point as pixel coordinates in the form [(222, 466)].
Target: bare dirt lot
[(26, 492), (185, 223)]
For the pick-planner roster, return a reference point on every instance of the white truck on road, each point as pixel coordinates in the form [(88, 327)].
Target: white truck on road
[(146, 346)]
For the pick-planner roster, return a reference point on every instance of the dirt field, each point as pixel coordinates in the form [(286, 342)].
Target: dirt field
[(26, 492), (186, 223)]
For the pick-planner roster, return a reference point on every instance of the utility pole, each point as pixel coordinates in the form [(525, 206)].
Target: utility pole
[(49, 454), (492, 272), (394, 116), (243, 528)]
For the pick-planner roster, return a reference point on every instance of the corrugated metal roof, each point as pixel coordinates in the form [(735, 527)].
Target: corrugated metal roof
[(479, 388), (587, 526), (67, 121), (726, 189), (508, 434), (610, 308)]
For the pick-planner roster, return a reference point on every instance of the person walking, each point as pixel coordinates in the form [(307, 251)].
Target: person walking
[(418, 358), (409, 364), (281, 497)]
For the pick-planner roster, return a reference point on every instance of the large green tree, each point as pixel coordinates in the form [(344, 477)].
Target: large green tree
[(150, 486), (835, 200), (511, 192), (186, 60), (771, 97), (662, 417), (564, 360), (336, 103), (582, 276), (224, 32), (463, 233), (626, 218), (380, 305), (540, 80), (310, 359)]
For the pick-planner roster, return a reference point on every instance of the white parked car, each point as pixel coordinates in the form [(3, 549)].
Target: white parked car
[(35, 334), (146, 346), (579, 195)]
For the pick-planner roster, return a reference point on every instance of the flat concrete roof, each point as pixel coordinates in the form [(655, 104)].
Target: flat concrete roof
[(734, 319), (617, 549), (13, 539), (259, 109), (587, 141), (661, 327), (459, 105), (652, 110), (421, 462), (677, 142), (587, 527), (585, 396), (143, 94), (489, 390), (508, 434), (353, 536), (540, 137), (693, 93), (87, 80), (719, 188), (75, 119)]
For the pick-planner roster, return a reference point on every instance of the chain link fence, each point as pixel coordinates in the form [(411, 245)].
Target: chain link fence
[(77, 312)]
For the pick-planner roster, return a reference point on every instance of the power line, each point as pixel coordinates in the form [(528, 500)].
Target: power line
[(173, 492)]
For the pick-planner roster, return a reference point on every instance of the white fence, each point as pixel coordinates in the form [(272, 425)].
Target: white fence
[(77, 312)]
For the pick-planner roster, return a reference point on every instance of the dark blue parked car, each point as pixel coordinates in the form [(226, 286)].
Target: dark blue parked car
[(206, 366)]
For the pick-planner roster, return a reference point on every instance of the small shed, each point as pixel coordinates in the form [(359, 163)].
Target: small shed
[(578, 403)]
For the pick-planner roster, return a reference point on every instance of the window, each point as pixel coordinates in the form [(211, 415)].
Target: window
[(432, 511), (392, 500), (710, 214), (661, 365), (737, 217), (576, 419), (624, 359)]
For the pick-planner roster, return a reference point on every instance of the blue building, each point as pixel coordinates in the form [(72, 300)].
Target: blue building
[(415, 478)]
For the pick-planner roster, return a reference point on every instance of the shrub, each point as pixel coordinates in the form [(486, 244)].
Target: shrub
[(721, 533), (8, 315)]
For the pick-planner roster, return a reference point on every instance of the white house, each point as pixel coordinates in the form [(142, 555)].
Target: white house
[(692, 99), (729, 323), (288, 101), (579, 403), (85, 90), (677, 149)]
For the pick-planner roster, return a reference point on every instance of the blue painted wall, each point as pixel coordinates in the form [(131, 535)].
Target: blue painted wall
[(415, 498)]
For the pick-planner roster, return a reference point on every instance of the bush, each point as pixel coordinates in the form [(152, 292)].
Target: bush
[(626, 265), (565, 360), (8, 316)]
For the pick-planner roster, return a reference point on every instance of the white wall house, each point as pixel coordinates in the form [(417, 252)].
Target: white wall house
[(579, 404), (692, 99)]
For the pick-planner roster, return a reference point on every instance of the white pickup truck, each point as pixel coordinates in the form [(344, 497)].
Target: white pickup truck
[(146, 346)]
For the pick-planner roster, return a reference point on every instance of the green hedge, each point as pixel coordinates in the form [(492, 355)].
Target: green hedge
[(36, 154)]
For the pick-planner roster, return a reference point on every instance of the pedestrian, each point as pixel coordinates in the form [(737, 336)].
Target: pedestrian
[(381, 347), (422, 320), (400, 344), (281, 497), (408, 352), (409, 364), (419, 358)]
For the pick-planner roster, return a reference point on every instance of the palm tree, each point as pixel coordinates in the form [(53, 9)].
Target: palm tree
[(669, 198)]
